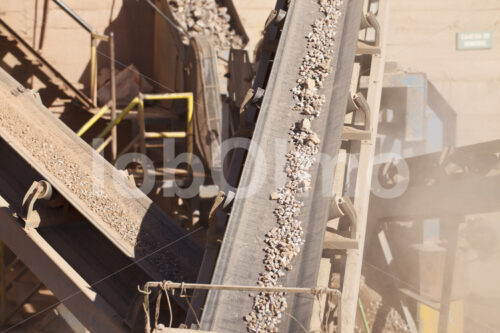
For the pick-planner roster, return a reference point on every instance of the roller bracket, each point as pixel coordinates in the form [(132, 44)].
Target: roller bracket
[(224, 202), (258, 96), (275, 18), (369, 20), (357, 102), (334, 210), (228, 202), (340, 207), (41, 190), (252, 97)]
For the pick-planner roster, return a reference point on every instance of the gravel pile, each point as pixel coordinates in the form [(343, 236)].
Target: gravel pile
[(206, 17), (284, 241)]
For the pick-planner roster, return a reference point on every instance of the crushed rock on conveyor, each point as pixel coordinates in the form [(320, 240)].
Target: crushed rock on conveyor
[(118, 212), (283, 242), (206, 17)]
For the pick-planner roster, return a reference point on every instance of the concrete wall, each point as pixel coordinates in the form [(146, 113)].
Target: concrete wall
[(67, 45), (423, 38), (253, 15)]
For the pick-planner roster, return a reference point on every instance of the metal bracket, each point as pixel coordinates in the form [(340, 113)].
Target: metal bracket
[(275, 18), (41, 190), (228, 202), (343, 206), (252, 97), (369, 20), (357, 102), (389, 175), (364, 47), (225, 202), (258, 96)]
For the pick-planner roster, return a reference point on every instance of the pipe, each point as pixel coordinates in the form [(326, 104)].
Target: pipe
[(114, 136), (44, 24), (93, 70), (189, 128), (363, 315), (156, 97), (182, 285), (166, 135), (189, 117), (142, 126), (188, 134), (118, 119), (92, 120), (104, 144)]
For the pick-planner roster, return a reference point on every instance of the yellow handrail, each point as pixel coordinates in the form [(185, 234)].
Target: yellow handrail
[(139, 101), (118, 119), (92, 120)]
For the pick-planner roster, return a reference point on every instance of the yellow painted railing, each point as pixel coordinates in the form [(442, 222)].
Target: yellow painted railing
[(143, 135), (92, 120)]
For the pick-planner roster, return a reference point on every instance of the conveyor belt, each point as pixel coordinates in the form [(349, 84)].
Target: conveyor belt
[(57, 154), (240, 258)]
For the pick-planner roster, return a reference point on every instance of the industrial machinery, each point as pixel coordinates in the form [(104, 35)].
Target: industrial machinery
[(127, 236)]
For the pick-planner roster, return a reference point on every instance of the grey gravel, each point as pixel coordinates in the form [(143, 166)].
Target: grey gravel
[(284, 242)]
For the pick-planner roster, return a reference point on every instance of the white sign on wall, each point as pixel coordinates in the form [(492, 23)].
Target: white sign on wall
[(474, 40)]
